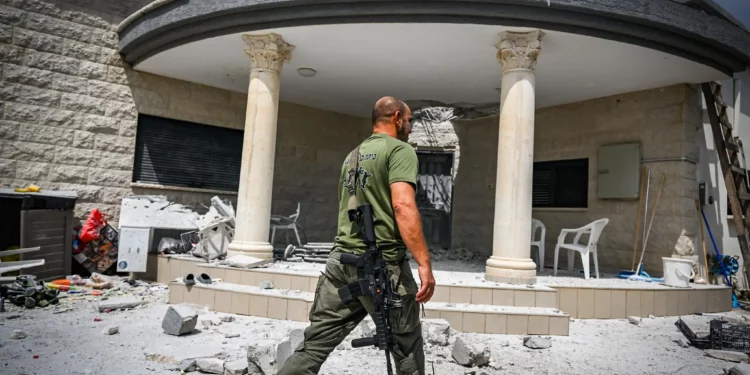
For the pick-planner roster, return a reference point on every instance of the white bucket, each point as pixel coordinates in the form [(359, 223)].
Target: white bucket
[(678, 272)]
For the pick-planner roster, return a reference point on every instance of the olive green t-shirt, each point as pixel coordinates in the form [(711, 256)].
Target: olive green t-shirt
[(383, 160)]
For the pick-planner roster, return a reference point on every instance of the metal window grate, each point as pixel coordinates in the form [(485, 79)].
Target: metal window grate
[(185, 154)]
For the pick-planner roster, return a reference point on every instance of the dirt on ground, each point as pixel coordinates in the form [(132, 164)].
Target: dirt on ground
[(70, 338)]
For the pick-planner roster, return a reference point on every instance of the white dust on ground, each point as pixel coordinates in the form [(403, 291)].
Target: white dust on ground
[(72, 343)]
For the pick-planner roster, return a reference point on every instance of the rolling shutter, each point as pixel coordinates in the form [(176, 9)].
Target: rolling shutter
[(180, 153), (561, 183)]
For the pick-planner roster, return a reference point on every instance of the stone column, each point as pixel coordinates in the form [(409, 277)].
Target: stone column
[(511, 261), (267, 54)]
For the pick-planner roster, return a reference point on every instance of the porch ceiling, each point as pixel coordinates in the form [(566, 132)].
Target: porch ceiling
[(451, 63)]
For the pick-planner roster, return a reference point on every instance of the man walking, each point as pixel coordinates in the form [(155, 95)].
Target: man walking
[(386, 179)]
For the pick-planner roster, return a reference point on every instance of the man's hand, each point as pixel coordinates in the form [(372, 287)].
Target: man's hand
[(428, 284), (410, 226)]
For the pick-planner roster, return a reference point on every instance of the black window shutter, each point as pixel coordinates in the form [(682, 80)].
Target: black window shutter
[(185, 154), (562, 183)]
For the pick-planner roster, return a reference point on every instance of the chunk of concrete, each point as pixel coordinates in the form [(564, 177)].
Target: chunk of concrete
[(232, 335), (17, 335), (262, 355), (726, 355), (111, 330), (266, 284), (470, 355), (634, 320), (210, 365), (296, 337), (537, 342), (367, 327), (238, 367), (244, 261), (740, 369), (119, 304), (227, 318), (187, 365), (436, 331), (179, 320)]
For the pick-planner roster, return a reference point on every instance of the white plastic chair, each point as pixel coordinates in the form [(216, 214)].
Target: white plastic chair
[(285, 223), (537, 225), (594, 230)]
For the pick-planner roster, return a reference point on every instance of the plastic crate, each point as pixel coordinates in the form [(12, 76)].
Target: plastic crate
[(729, 336), (700, 343)]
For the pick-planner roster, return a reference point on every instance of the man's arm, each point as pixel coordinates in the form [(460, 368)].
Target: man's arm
[(410, 227)]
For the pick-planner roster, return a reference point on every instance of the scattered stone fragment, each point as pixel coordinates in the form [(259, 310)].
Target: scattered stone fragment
[(12, 316), (232, 335), (503, 343), (119, 304), (436, 331), (111, 330), (17, 335), (187, 365), (470, 355), (210, 365), (651, 316), (682, 342), (537, 342), (740, 369), (726, 355), (179, 320), (261, 356), (266, 284), (470, 372), (296, 336), (238, 367), (227, 318), (634, 320)]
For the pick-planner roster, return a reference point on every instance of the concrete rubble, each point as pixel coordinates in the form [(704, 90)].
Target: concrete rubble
[(210, 365), (238, 367), (436, 331), (636, 320), (739, 369), (119, 304), (179, 320), (18, 335), (111, 330), (537, 342), (726, 355), (470, 355), (262, 356), (187, 365)]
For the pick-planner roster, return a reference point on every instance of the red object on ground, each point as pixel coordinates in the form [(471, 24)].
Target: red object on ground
[(94, 224), (97, 319), (97, 293), (61, 282), (36, 357)]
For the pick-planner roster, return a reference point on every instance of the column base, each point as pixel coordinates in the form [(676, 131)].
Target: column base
[(261, 250), (510, 270)]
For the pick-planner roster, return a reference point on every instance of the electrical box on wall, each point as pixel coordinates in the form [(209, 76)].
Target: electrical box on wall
[(619, 171)]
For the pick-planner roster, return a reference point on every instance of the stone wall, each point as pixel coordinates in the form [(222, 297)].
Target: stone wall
[(69, 108), (661, 120)]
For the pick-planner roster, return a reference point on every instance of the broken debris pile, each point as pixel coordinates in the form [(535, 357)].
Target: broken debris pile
[(95, 244), (29, 292)]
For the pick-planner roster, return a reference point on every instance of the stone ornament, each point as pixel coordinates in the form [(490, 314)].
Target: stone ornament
[(267, 51), (519, 50)]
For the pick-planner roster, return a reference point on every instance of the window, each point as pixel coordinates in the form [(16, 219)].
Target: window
[(185, 154), (561, 183)]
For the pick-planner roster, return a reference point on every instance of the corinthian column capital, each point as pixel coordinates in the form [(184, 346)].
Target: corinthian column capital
[(519, 50), (267, 51)]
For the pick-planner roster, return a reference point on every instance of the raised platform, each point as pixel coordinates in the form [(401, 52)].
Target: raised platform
[(464, 298)]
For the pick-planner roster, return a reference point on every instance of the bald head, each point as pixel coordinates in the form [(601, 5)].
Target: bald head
[(385, 108), (392, 116)]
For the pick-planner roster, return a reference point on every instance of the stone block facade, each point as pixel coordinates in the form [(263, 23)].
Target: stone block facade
[(663, 121), (69, 108)]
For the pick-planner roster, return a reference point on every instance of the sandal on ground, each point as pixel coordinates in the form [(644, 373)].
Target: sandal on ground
[(204, 278), (189, 279)]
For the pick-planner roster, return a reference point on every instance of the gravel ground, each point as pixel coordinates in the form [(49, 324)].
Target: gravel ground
[(72, 342)]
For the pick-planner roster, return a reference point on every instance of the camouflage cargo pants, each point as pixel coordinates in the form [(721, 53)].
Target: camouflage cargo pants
[(331, 321)]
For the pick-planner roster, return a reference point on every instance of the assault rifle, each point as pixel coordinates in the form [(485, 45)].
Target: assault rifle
[(373, 282)]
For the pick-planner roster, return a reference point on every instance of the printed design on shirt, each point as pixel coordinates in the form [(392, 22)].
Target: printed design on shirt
[(363, 157), (362, 177)]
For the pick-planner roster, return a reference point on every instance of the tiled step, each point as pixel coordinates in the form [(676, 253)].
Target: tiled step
[(295, 305), (487, 294)]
